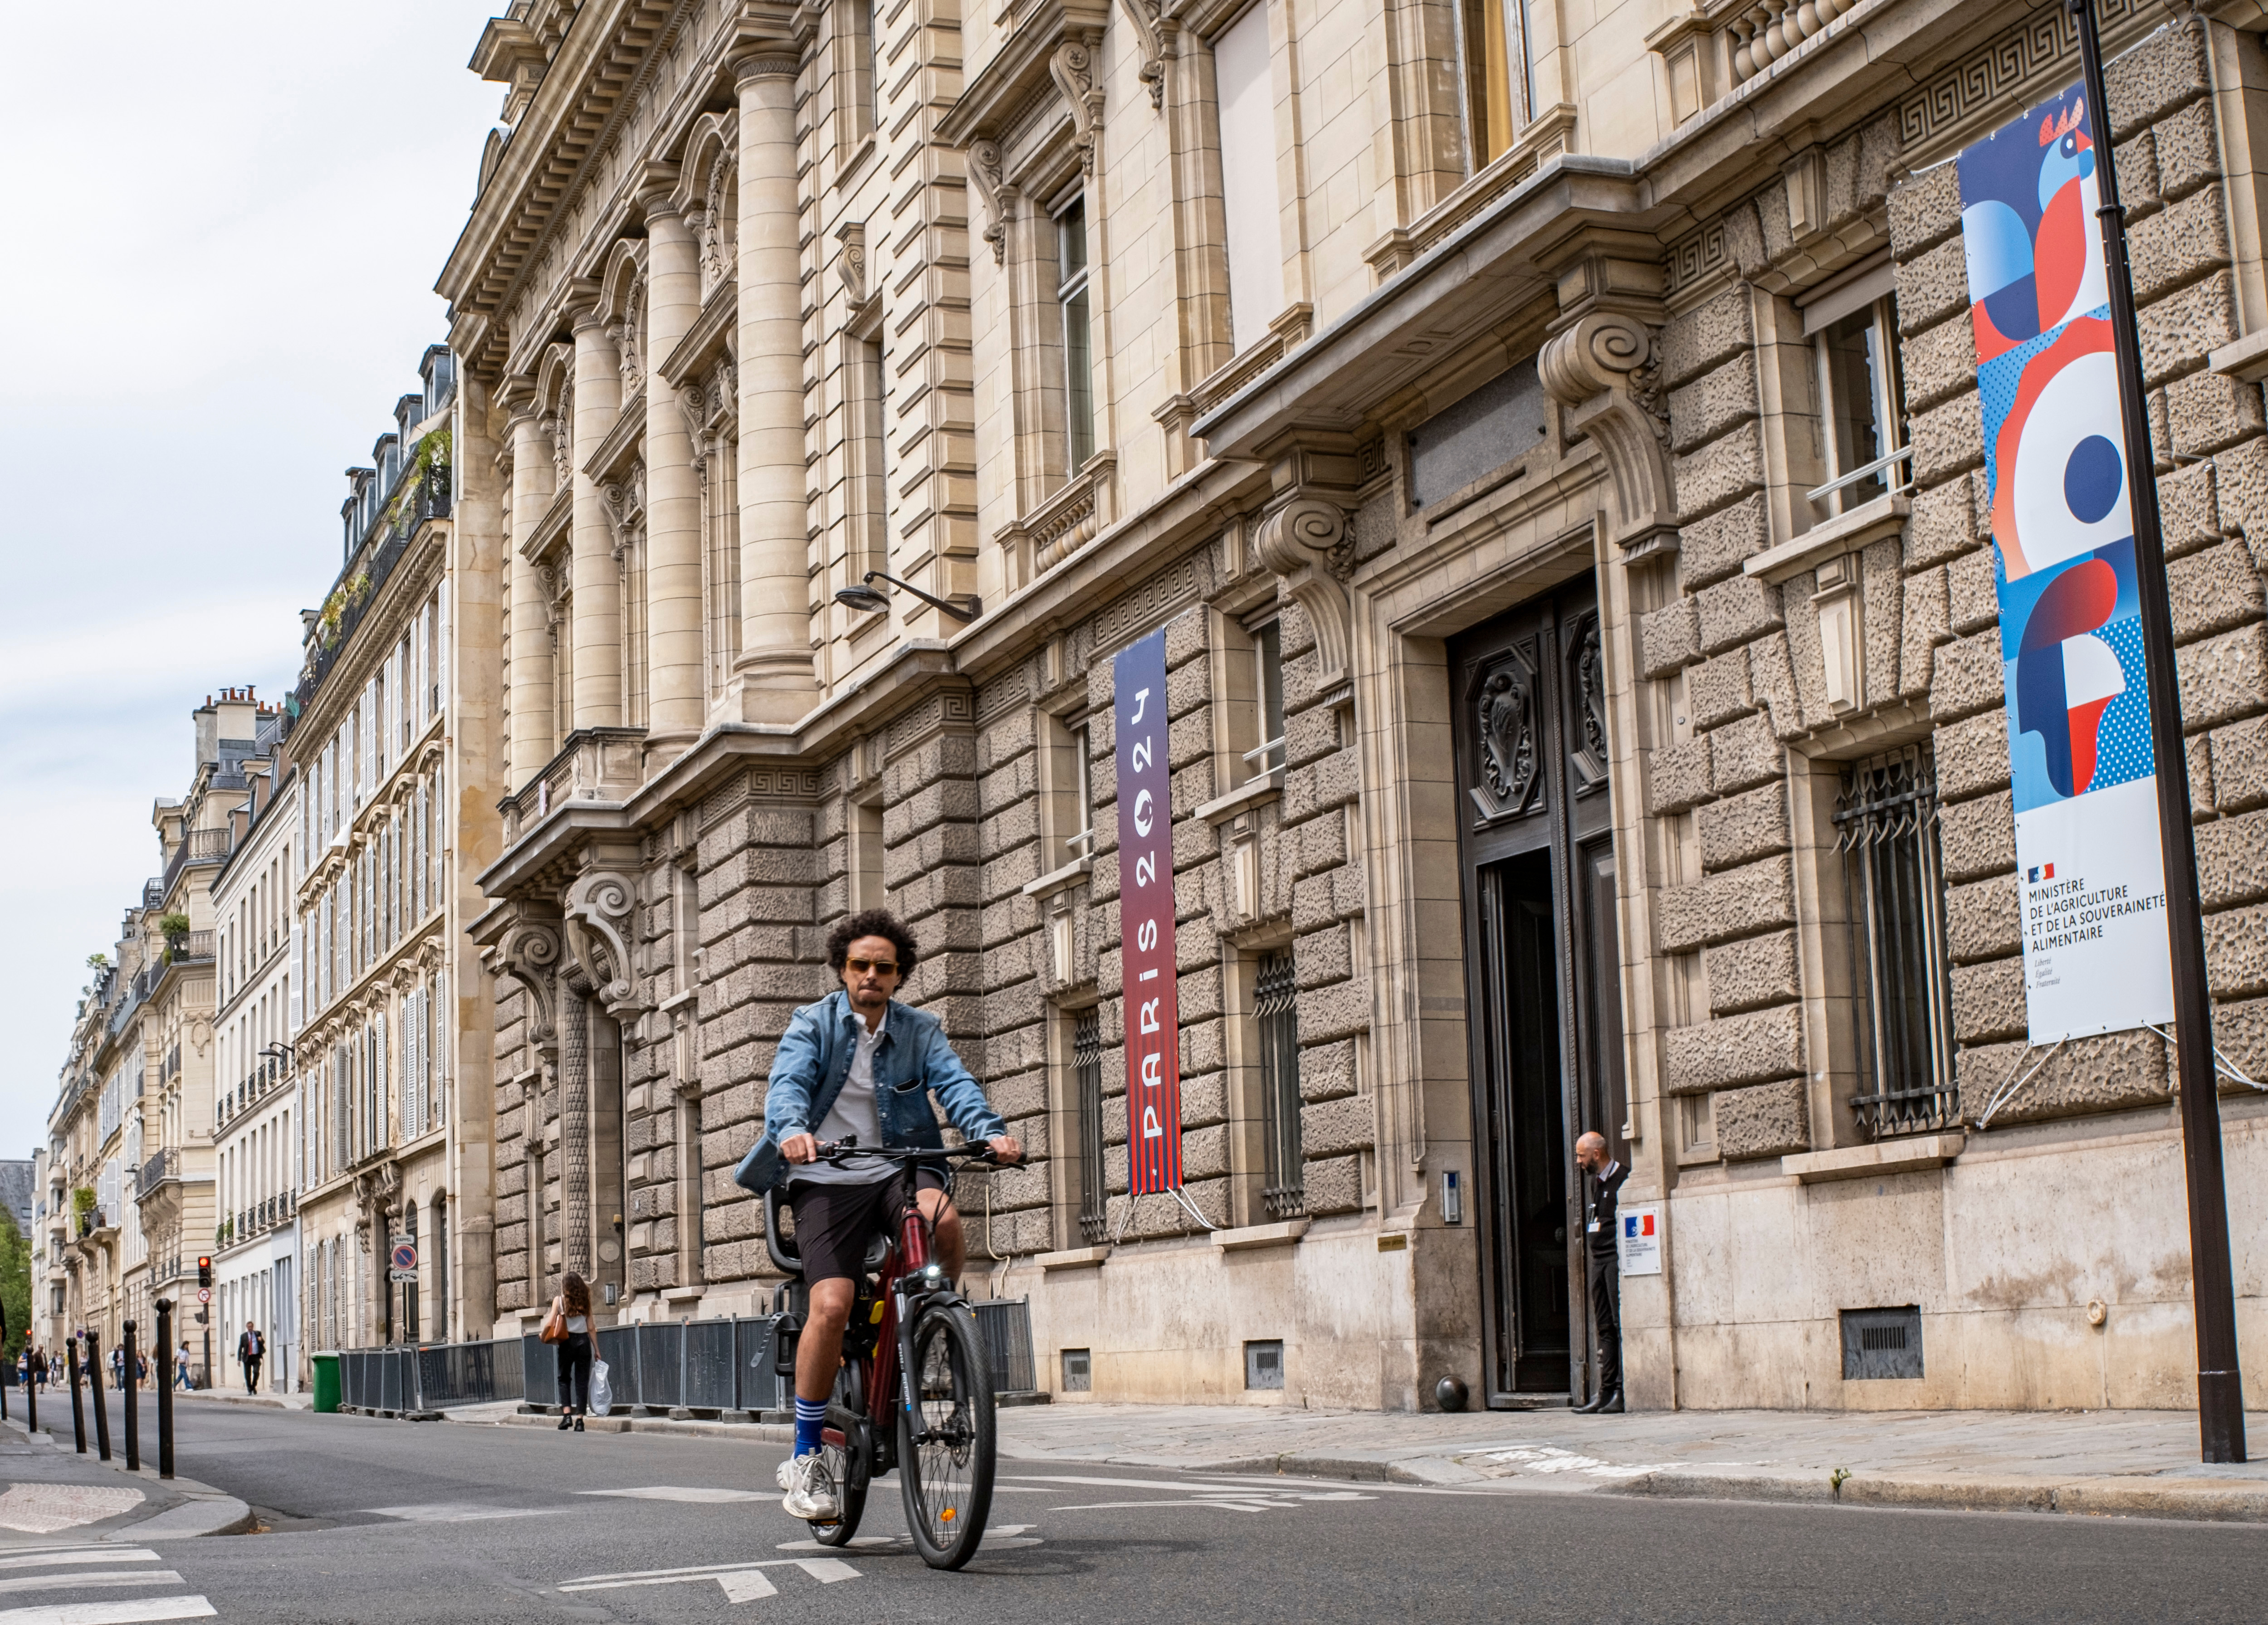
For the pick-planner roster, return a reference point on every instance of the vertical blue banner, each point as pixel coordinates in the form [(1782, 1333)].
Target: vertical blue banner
[(2089, 867), (1145, 918)]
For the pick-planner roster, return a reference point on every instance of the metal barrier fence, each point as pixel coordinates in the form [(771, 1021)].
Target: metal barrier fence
[(715, 1366)]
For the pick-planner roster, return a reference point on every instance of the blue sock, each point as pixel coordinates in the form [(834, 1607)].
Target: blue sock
[(810, 1416)]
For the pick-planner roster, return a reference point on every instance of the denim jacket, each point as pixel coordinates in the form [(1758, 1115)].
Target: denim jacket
[(912, 1060)]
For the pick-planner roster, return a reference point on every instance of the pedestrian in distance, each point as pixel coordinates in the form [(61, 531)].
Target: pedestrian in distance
[(117, 1369), (1606, 1176), (182, 1367), (568, 1328), (251, 1349)]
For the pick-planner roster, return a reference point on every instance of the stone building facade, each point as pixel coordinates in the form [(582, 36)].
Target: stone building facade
[(1560, 487), (257, 1122), (129, 1162), (389, 742)]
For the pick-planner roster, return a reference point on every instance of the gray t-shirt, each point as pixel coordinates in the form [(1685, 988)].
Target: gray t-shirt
[(855, 1112)]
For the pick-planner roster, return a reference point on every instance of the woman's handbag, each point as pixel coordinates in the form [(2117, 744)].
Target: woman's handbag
[(554, 1324)]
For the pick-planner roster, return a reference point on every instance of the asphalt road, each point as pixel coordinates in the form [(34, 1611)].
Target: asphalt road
[(368, 1520)]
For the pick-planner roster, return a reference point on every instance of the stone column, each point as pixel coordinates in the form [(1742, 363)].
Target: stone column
[(597, 702), (673, 490), (575, 1124), (774, 673), (529, 705)]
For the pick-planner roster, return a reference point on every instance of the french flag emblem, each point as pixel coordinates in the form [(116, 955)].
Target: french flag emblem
[(2041, 871)]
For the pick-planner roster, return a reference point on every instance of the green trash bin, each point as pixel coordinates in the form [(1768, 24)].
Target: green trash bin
[(326, 1382)]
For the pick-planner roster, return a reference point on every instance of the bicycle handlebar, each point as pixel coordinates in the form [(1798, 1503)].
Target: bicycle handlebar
[(840, 1151)]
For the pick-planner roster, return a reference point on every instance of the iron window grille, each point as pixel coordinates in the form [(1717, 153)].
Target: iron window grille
[(1885, 820), (1276, 1012), (1086, 1082)]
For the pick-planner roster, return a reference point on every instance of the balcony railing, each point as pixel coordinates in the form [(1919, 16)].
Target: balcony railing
[(166, 1165), (430, 501), (199, 846), (263, 1081), (257, 1220), (189, 946)]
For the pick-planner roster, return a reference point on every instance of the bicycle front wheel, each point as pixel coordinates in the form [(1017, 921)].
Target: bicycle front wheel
[(946, 1443)]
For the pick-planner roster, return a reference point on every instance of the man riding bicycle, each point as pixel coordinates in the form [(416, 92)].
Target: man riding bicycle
[(858, 1065)]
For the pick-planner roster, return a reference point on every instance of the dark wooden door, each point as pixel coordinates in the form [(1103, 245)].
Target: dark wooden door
[(1542, 969)]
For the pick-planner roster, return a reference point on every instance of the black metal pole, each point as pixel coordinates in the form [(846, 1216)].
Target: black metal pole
[(78, 1409), (2221, 1387), (94, 1391), (165, 1389), (133, 1390), (31, 1395)]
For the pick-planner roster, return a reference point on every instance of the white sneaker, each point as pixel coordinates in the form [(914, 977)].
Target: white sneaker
[(810, 1492)]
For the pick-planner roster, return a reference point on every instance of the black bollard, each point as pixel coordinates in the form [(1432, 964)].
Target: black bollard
[(30, 1399), (133, 1403), (78, 1408), (94, 1391), (166, 1391)]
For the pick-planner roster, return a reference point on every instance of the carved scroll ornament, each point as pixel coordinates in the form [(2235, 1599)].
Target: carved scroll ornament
[(1603, 371)]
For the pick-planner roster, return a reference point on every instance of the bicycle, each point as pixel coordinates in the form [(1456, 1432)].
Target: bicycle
[(909, 1331)]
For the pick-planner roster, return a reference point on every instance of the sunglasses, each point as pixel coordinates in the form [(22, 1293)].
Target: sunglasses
[(880, 967)]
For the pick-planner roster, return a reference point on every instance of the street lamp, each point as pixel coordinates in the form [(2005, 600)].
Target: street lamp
[(864, 597)]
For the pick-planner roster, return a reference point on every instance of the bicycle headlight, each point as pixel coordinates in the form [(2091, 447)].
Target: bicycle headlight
[(934, 1273)]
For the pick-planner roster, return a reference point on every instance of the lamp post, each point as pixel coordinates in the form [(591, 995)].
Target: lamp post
[(2220, 1389)]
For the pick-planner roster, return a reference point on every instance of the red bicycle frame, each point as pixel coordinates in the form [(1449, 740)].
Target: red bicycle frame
[(879, 1370)]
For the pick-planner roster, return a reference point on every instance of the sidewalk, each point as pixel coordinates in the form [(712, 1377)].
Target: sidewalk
[(49, 1492), (224, 1396), (2134, 1463), (2140, 1463)]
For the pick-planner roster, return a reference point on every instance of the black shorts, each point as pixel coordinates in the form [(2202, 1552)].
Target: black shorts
[(834, 1222)]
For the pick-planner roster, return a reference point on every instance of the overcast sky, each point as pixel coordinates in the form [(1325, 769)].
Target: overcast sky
[(223, 255)]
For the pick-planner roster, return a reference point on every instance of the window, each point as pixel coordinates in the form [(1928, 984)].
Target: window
[(1885, 820), (865, 866), (1863, 419), (1094, 1196), (1078, 338), (1268, 698), (1248, 178), (868, 545), (1487, 80), (1067, 828), (1275, 1017), (1263, 1364)]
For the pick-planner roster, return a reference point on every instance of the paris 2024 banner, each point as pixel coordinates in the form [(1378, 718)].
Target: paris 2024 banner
[(2089, 870)]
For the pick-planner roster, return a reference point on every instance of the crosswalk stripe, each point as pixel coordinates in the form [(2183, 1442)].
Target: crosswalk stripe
[(132, 1612), (85, 1554), (102, 1576)]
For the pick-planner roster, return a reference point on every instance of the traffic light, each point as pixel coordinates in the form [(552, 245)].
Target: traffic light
[(204, 1272)]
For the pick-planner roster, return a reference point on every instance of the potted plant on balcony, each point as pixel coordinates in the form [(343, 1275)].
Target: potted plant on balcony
[(175, 929), (83, 1209)]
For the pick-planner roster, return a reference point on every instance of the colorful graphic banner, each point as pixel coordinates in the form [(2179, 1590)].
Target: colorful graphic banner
[(2089, 870), (1145, 919)]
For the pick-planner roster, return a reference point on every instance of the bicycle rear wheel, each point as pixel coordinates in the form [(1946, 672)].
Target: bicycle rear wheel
[(947, 1444), (845, 1464)]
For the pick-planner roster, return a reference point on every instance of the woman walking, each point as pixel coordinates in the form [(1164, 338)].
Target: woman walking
[(573, 1306)]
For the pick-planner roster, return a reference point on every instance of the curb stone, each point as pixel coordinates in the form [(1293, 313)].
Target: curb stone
[(201, 1511), (2203, 1500)]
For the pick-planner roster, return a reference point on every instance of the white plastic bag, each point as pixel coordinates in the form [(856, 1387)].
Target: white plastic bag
[(602, 1393)]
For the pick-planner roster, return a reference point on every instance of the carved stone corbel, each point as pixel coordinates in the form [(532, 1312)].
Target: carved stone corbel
[(598, 906), (999, 197), (1604, 370), (851, 264), (1307, 542), (1143, 15), (528, 953), (1073, 67)]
